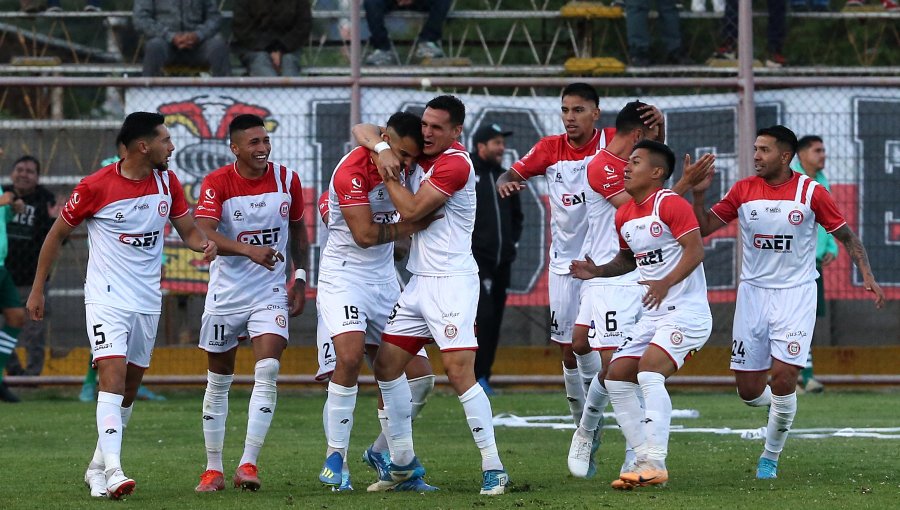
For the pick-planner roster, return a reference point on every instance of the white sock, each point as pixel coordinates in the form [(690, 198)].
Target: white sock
[(97, 459), (381, 443), (574, 392), (763, 400), (781, 417), (398, 408), (262, 408), (215, 412), (629, 412), (420, 388), (594, 405), (657, 414), (589, 365), (479, 416), (126, 415), (341, 403), (109, 428)]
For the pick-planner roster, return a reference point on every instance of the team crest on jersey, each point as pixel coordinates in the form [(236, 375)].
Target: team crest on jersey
[(676, 338), (280, 321), (450, 331), (795, 217), (283, 209), (163, 208), (793, 348), (656, 229)]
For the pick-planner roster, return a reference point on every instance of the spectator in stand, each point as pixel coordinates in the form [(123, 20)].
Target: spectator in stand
[(669, 26), (889, 5), (429, 42), (268, 40), (776, 33), (181, 32), (498, 227), (33, 6), (810, 5), (26, 231)]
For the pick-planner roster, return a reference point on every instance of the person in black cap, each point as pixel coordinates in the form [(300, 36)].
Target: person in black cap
[(498, 227)]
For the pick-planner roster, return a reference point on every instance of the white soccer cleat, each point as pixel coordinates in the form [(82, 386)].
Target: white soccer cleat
[(95, 479), (580, 453), (118, 485)]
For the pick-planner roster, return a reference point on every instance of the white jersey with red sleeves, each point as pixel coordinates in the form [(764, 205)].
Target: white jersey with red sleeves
[(125, 222), (564, 166), (605, 177), (778, 228), (252, 211), (651, 231), (445, 247), (356, 183)]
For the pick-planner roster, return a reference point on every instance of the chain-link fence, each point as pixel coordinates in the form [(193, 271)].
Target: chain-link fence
[(310, 133)]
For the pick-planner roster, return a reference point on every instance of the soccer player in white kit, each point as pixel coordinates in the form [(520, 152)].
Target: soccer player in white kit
[(562, 159), (125, 206), (775, 313), (658, 236), (439, 303), (254, 208), (357, 288)]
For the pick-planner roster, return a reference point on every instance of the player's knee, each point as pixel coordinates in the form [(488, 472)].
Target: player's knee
[(266, 371)]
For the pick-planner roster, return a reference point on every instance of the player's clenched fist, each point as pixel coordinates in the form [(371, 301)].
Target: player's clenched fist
[(210, 250), (35, 305), (265, 256)]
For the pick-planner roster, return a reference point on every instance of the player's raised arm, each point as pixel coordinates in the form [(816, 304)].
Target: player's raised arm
[(300, 256), (371, 137), (622, 263), (195, 238), (655, 122), (858, 254), (692, 243), (49, 253), (704, 166)]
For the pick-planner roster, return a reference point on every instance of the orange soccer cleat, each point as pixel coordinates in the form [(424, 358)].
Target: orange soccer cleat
[(246, 478), (211, 481)]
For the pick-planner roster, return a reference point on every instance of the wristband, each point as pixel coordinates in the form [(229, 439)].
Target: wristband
[(300, 274), (381, 147)]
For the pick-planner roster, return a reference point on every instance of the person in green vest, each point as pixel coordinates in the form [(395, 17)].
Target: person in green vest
[(810, 160), (13, 311)]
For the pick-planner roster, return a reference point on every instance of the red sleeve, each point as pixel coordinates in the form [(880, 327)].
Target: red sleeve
[(179, 203), (209, 205), (606, 175), (727, 208), (80, 206), (535, 162), (450, 174), (297, 203), (677, 213), (827, 213), (620, 220), (323, 204), (351, 186)]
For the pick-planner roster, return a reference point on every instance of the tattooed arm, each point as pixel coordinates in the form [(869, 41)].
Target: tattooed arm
[(858, 254)]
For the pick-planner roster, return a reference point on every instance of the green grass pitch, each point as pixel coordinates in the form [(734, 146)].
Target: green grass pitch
[(46, 442)]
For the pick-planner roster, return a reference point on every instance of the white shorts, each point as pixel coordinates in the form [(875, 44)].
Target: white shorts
[(117, 333), (610, 311), (221, 333), (680, 334), (772, 323), (565, 296), (435, 308)]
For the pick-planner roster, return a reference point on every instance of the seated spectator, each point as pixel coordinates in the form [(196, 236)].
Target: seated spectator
[(267, 40), (668, 25), (429, 41), (182, 32)]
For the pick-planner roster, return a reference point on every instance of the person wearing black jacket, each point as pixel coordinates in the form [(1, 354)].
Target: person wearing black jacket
[(26, 232), (498, 227)]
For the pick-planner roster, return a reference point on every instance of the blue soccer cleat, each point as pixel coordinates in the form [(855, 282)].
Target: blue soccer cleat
[(376, 460), (766, 469), (346, 485), (415, 485), (394, 475), (331, 470), (495, 482)]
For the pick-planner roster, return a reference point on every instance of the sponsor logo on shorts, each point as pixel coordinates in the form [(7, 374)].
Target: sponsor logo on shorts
[(676, 338), (795, 217), (280, 321), (656, 229), (450, 331), (283, 209), (793, 348)]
